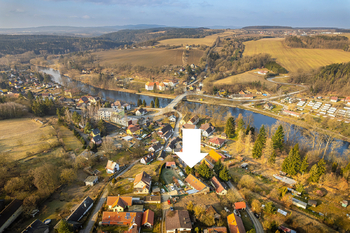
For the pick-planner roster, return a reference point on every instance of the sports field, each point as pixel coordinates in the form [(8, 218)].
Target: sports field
[(295, 58), (154, 57)]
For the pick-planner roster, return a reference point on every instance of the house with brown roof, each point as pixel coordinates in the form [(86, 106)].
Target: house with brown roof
[(178, 221), (196, 184), (148, 219), (131, 219), (142, 183), (118, 203), (207, 129), (186, 118), (219, 187), (235, 224), (152, 200), (147, 159), (215, 230), (189, 126), (217, 142), (194, 120)]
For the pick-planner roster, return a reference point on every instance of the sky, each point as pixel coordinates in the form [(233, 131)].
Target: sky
[(196, 13)]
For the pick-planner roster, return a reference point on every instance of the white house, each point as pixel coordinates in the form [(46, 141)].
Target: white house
[(112, 167), (91, 180), (141, 112)]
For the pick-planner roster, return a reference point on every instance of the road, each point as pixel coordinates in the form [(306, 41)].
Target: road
[(256, 222), (100, 203)]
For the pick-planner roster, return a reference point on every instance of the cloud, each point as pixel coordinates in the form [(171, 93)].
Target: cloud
[(128, 2), (86, 17)]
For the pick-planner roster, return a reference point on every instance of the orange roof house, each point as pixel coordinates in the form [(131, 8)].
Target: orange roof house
[(235, 224), (196, 184), (217, 230), (240, 205), (117, 203), (148, 218), (216, 156), (142, 183), (218, 142), (219, 188), (122, 218)]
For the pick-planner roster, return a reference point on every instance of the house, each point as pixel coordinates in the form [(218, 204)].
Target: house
[(95, 132), (167, 135), (235, 224), (284, 229), (172, 118), (147, 159), (148, 219), (178, 221), (91, 180), (216, 156), (150, 85), (215, 230), (155, 147), (344, 203), (37, 227), (217, 142), (212, 211), (240, 205), (142, 183), (208, 163), (112, 167), (133, 129), (219, 187), (152, 200), (97, 140), (186, 118), (196, 184), (84, 100), (262, 72), (10, 213), (161, 155), (347, 100), (81, 210), (291, 113), (118, 203), (312, 203), (165, 129), (268, 106), (189, 126), (105, 113), (334, 99), (140, 112), (299, 203), (170, 165), (161, 86), (172, 144), (194, 120), (207, 129), (131, 219)]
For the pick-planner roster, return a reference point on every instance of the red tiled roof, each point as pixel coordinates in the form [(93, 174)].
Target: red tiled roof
[(240, 205), (218, 186), (148, 217), (217, 141), (195, 183)]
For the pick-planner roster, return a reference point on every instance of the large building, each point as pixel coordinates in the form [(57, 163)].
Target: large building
[(178, 221)]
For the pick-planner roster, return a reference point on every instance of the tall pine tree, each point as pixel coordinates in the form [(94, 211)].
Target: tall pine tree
[(292, 162), (156, 102), (152, 104), (144, 103), (304, 165), (262, 134), (278, 138), (257, 149), (230, 127), (317, 170), (272, 158), (139, 102)]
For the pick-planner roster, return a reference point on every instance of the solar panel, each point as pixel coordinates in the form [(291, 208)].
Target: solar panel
[(127, 216)]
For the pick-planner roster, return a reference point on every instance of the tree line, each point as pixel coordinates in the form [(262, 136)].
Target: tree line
[(319, 42)]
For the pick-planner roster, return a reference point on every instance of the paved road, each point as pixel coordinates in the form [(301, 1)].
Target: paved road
[(256, 222), (100, 203)]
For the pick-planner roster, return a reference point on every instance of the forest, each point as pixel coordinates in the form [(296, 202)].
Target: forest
[(43, 44), (319, 42), (331, 78)]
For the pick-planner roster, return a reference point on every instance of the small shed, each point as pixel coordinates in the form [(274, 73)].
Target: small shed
[(91, 180), (299, 203), (344, 203), (312, 203), (244, 165)]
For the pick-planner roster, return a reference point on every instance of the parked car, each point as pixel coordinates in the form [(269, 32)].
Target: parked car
[(256, 215)]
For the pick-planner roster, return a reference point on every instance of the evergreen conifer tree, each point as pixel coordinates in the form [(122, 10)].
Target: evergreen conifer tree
[(262, 134), (257, 149), (272, 158), (278, 138), (230, 127), (304, 165), (144, 103), (152, 104), (223, 175), (156, 102), (139, 102)]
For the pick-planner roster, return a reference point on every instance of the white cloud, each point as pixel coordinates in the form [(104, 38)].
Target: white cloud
[(86, 17)]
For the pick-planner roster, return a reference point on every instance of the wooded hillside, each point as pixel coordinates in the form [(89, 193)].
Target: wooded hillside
[(320, 42)]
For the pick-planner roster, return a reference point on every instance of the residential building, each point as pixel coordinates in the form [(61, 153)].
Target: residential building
[(268, 106), (240, 205), (97, 140), (95, 132), (131, 219), (112, 167), (133, 129), (152, 200), (170, 165), (10, 214), (207, 129), (161, 86), (186, 118), (212, 211), (219, 187), (172, 144), (91, 180), (299, 203), (235, 224), (334, 99), (140, 112), (142, 183), (106, 113), (81, 210), (172, 118), (178, 222), (291, 113), (215, 230), (194, 120), (149, 86), (155, 147), (147, 159), (37, 227), (189, 126), (118, 203), (161, 155), (262, 72), (215, 156), (196, 184), (217, 142), (148, 219), (165, 129)]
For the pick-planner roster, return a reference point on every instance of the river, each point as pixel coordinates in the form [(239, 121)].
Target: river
[(259, 119)]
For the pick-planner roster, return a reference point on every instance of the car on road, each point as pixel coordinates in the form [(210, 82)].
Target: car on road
[(256, 215), (162, 191)]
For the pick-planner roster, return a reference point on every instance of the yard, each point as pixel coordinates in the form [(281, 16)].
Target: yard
[(168, 174), (69, 140)]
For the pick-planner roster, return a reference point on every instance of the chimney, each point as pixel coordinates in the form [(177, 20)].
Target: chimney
[(84, 204)]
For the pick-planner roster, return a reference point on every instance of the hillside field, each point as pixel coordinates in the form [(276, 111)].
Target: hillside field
[(295, 58), (155, 57)]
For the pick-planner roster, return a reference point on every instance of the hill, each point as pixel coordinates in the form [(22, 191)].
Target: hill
[(319, 41), (294, 59), (155, 34)]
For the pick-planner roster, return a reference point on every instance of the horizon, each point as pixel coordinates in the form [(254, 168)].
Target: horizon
[(198, 13)]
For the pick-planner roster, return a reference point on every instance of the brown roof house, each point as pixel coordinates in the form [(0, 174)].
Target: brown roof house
[(235, 224), (207, 129), (178, 221), (131, 219), (142, 183), (215, 230), (197, 184), (217, 142), (219, 187), (148, 219), (10, 213), (119, 204), (194, 120)]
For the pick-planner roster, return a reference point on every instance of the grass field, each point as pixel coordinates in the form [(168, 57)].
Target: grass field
[(246, 77), (296, 58), (208, 40), (155, 57), (18, 136), (69, 140)]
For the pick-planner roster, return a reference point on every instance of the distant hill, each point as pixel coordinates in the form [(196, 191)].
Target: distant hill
[(155, 34), (265, 27)]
